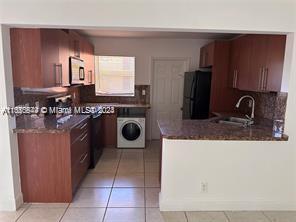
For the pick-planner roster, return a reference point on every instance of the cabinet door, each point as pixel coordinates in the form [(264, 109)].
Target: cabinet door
[(90, 63), (64, 53), (109, 133), (26, 57), (243, 65), (209, 60), (207, 55), (233, 66), (75, 44), (50, 56), (274, 62), (202, 57), (257, 62), (87, 54)]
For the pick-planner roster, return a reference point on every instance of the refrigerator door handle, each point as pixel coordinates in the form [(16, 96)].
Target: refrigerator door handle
[(192, 84)]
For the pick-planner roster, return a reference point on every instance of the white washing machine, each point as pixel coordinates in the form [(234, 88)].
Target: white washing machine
[(131, 132)]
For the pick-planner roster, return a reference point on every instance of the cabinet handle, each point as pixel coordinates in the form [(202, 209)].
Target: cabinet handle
[(233, 80), (58, 74), (265, 79), (236, 76), (90, 76), (82, 159), (261, 78), (83, 138), (83, 126)]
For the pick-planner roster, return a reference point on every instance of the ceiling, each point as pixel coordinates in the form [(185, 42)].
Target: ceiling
[(154, 34)]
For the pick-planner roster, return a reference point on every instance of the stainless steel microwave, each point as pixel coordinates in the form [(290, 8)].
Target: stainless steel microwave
[(76, 72)]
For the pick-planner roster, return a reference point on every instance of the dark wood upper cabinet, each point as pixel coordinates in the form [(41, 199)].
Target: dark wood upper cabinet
[(64, 53), (87, 55), (36, 60), (233, 64), (40, 57), (219, 62), (256, 62), (276, 45), (207, 55), (243, 63), (75, 44)]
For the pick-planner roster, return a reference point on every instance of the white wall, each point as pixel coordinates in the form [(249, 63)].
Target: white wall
[(197, 15), (10, 191), (240, 175), (146, 48), (247, 15)]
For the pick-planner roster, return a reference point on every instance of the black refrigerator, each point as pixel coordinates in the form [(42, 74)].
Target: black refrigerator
[(196, 100)]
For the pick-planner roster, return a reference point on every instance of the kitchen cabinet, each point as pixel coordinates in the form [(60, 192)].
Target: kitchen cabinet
[(87, 55), (222, 97), (240, 55), (36, 60), (206, 56), (75, 44), (109, 130), (53, 164), (274, 65), (64, 53), (256, 62)]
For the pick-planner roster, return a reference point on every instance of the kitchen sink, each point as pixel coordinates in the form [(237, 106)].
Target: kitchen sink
[(235, 121)]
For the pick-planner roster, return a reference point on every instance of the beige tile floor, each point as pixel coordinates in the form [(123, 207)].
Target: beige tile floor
[(124, 187)]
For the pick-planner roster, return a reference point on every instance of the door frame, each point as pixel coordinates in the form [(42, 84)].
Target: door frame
[(187, 61)]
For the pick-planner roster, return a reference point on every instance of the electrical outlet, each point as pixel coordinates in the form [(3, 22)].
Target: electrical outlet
[(203, 187), (74, 95), (37, 104), (143, 92)]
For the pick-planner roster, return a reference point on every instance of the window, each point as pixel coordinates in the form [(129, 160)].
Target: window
[(115, 75)]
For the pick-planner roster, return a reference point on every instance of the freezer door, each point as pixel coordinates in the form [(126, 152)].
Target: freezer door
[(189, 93), (202, 96)]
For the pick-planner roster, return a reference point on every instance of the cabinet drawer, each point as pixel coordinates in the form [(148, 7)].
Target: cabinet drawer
[(79, 170), (79, 147), (80, 158), (79, 130)]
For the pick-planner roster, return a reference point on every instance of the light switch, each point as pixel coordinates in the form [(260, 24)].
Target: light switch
[(143, 92)]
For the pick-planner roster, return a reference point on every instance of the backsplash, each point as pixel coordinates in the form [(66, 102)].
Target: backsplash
[(267, 105), (88, 95), (31, 96)]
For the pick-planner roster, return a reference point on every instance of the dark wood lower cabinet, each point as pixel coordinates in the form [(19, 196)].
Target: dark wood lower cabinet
[(109, 130), (53, 164)]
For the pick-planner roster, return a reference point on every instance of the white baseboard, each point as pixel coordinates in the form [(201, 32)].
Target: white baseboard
[(11, 204), (197, 205)]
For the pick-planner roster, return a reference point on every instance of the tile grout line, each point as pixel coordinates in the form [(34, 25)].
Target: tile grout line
[(112, 186), (186, 216), (64, 212), (23, 212), (269, 219), (228, 219)]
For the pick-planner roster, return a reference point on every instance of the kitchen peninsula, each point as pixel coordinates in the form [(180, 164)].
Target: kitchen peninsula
[(227, 167)]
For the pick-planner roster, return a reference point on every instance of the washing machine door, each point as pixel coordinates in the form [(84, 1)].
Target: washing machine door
[(131, 130)]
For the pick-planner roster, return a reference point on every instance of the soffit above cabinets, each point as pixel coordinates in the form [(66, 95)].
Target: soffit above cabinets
[(154, 34)]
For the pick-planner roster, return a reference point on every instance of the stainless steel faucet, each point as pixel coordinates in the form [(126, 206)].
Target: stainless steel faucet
[(253, 105)]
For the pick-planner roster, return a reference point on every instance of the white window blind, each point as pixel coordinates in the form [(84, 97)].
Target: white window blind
[(115, 75)]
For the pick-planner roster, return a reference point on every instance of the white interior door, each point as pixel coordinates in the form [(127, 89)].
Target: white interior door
[(168, 81)]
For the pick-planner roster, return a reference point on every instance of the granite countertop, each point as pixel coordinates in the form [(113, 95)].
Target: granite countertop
[(120, 105), (210, 130), (47, 124)]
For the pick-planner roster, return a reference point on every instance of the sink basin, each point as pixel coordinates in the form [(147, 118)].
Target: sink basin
[(235, 121)]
